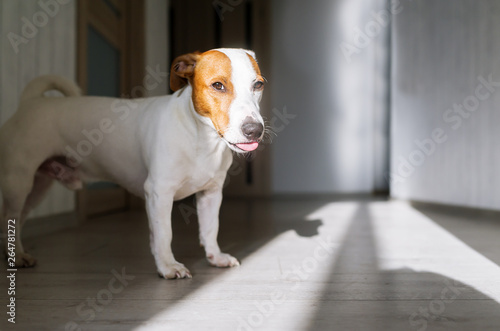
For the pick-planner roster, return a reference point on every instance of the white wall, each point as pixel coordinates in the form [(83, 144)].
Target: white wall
[(440, 48), (48, 46), (338, 140)]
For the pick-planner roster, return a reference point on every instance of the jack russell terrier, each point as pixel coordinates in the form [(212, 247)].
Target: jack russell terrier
[(161, 148)]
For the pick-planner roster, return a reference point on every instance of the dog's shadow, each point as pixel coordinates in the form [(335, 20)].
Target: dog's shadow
[(245, 224)]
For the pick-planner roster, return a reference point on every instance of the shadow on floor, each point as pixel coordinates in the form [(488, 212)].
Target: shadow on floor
[(403, 299)]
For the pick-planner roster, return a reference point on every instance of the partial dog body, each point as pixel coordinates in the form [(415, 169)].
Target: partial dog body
[(163, 149)]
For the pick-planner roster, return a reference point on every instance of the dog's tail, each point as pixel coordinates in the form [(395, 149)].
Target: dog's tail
[(38, 86)]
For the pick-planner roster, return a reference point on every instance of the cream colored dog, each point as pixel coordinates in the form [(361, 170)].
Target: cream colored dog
[(162, 148)]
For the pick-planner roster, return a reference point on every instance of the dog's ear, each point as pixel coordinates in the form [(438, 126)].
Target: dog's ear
[(182, 69), (251, 53)]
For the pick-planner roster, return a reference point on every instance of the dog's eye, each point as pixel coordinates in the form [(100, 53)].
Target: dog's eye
[(218, 86), (258, 85)]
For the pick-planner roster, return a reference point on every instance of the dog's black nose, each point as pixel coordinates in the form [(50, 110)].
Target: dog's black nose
[(252, 129)]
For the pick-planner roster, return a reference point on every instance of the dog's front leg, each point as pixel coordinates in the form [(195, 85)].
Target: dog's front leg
[(208, 204), (159, 208)]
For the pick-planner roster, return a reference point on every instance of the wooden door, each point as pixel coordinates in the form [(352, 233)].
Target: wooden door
[(110, 63)]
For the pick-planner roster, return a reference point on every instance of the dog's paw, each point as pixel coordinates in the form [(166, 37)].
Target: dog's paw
[(222, 260), (24, 260), (174, 271)]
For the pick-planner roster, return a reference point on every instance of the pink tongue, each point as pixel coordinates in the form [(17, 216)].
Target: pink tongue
[(248, 147)]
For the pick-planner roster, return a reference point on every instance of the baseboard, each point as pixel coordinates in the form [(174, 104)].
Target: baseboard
[(328, 196), (455, 210)]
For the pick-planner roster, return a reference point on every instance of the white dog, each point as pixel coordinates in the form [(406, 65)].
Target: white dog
[(163, 148)]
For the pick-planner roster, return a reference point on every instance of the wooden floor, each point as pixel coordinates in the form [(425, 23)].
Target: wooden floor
[(312, 264)]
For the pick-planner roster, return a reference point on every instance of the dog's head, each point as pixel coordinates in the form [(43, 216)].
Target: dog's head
[(227, 87)]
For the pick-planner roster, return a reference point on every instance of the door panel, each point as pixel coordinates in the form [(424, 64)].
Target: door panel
[(103, 65)]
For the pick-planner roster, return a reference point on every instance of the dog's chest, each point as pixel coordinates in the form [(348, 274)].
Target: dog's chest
[(204, 171)]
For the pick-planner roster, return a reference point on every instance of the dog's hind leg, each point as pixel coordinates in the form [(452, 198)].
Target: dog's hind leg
[(20, 196), (41, 185)]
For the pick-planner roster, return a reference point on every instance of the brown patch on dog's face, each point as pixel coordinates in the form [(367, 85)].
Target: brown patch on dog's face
[(213, 91)]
